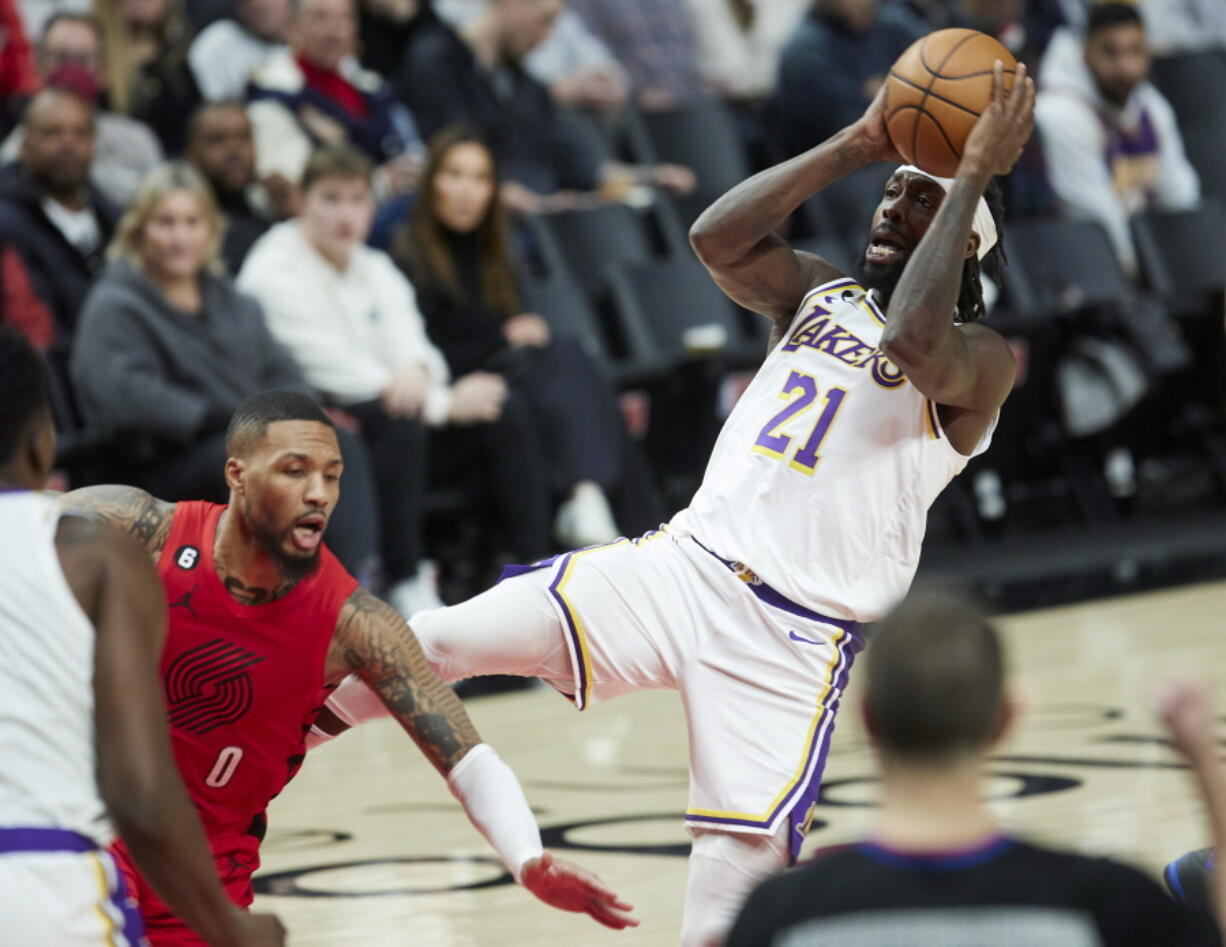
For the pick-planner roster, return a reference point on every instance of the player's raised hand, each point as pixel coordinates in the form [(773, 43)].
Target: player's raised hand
[(996, 141), (1186, 710), (568, 887), (872, 133)]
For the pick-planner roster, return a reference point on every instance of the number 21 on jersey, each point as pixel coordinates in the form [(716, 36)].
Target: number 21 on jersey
[(802, 393)]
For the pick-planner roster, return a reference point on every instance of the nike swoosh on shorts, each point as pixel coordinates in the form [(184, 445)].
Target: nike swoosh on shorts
[(796, 637)]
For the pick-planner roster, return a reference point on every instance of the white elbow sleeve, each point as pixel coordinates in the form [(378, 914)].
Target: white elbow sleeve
[(491, 795)]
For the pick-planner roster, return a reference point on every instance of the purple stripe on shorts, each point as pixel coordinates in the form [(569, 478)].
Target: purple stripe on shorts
[(133, 923), (514, 569), (777, 599), (44, 839), (809, 783), (580, 697)]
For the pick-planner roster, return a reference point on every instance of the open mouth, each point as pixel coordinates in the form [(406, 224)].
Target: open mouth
[(885, 247), (308, 532)]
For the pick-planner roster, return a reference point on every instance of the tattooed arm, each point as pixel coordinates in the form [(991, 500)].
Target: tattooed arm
[(377, 645), (128, 509), (374, 642)]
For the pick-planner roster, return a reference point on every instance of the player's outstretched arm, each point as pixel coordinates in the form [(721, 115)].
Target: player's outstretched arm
[(736, 236), (128, 509), (1187, 711), (120, 592), (375, 642), (968, 367)]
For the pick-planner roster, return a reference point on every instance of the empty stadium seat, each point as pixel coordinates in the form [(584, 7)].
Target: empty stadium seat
[(1195, 85), (702, 135), (671, 311), (1183, 253), (589, 241), (568, 310), (1059, 266)]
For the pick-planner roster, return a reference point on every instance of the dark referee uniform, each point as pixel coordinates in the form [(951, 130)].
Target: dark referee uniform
[(1004, 893)]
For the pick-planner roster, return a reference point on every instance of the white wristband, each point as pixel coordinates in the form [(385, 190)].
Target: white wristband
[(495, 802)]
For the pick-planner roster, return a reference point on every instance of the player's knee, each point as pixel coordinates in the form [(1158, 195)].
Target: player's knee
[(441, 649), (724, 868)]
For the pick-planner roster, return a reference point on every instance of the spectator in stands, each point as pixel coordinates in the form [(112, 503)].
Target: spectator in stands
[(1110, 138), (838, 57), (49, 212), (739, 43), (578, 68), (1184, 26), (386, 29), (654, 42), (476, 77), (167, 347), (125, 150), (18, 80), (221, 147), (351, 320), (315, 93), (939, 868), (456, 251), (226, 52), (146, 56)]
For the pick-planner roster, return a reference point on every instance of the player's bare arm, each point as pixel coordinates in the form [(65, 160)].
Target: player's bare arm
[(968, 368), (111, 577), (373, 641), (736, 236), (128, 509)]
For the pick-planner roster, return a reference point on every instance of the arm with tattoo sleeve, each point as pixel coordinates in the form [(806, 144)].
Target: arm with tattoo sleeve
[(127, 509), (376, 643)]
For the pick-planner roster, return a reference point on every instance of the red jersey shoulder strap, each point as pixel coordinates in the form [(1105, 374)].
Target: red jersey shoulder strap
[(190, 538)]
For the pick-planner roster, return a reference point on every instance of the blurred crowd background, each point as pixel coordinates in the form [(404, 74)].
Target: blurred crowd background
[(463, 225)]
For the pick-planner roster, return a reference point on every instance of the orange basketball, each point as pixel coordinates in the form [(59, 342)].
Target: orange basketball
[(935, 92)]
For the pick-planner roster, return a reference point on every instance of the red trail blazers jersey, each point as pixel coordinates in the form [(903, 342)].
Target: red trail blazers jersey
[(242, 682)]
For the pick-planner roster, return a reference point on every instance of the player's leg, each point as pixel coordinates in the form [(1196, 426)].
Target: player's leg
[(724, 867), (1188, 877), (509, 629)]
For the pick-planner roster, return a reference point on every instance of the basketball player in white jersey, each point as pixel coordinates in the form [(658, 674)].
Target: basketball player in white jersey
[(808, 523), (83, 742)]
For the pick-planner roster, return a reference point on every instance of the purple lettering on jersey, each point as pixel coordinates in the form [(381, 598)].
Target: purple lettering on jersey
[(885, 373), (808, 331), (843, 345)]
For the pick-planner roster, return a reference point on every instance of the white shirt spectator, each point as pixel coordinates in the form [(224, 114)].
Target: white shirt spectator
[(349, 331), (1092, 175), (743, 63), (223, 57)]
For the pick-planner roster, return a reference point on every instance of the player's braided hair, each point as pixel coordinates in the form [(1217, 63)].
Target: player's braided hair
[(970, 296)]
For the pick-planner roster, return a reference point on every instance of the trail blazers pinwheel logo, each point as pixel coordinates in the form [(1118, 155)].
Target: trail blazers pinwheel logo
[(209, 686)]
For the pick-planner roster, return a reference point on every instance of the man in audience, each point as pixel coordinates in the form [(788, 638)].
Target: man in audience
[(739, 43), (71, 55), (18, 81), (58, 222), (315, 93), (226, 52), (1184, 26), (654, 42), (833, 65), (476, 77), (221, 146), (1111, 141), (939, 868)]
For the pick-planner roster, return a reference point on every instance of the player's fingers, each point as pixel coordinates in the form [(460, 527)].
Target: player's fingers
[(998, 81)]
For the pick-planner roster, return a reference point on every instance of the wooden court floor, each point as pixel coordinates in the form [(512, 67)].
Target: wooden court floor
[(367, 847)]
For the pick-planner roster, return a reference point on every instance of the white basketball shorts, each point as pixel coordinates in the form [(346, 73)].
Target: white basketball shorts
[(760, 677)]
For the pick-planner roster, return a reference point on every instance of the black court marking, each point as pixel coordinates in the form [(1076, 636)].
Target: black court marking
[(286, 884)]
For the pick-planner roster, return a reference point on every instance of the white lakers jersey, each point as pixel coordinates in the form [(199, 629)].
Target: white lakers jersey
[(822, 476), (47, 774)]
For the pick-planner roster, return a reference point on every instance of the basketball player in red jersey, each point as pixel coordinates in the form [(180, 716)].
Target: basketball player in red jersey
[(263, 621)]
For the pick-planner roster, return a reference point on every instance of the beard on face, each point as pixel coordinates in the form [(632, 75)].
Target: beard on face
[(881, 277), (295, 568)]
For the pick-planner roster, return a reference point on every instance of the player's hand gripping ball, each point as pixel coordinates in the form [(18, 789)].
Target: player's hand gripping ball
[(935, 93)]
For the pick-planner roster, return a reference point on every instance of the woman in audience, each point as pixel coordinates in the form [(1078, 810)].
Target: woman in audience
[(456, 252), (167, 347), (350, 318), (147, 71)]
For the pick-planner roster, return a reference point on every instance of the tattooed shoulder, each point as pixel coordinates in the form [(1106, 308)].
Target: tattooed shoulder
[(129, 509)]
